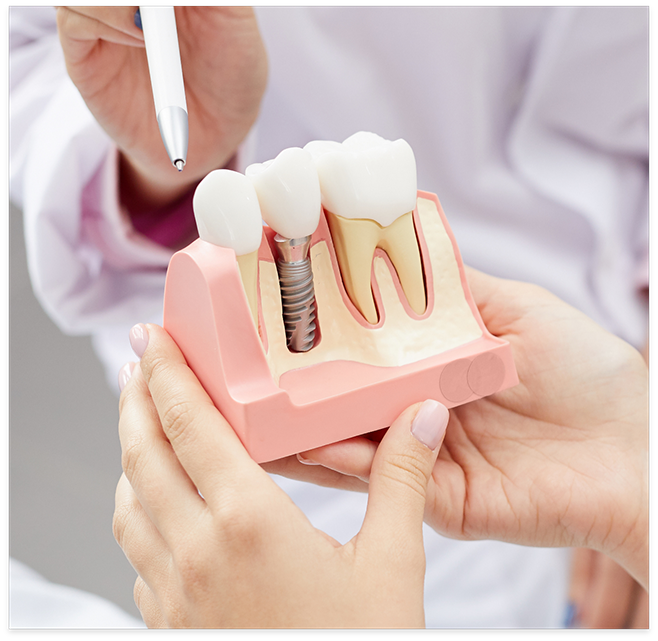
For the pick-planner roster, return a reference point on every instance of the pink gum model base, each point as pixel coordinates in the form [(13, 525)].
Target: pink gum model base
[(207, 314)]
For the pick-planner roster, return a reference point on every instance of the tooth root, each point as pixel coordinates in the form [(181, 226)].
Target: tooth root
[(355, 241), (399, 241), (248, 266)]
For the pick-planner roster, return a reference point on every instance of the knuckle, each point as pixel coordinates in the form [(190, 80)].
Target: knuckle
[(178, 413), (166, 610), (176, 418), (133, 454), (119, 526), (190, 570), (127, 396), (154, 364), (124, 515), (406, 471), (149, 606), (192, 565), (140, 591), (243, 524)]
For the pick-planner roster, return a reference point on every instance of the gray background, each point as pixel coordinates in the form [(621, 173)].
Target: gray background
[(64, 454)]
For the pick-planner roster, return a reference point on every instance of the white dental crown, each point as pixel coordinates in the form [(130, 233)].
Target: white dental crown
[(366, 177)]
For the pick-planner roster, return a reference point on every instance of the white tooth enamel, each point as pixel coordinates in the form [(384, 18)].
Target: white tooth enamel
[(366, 177), (227, 214), (288, 192), (227, 211), (318, 147)]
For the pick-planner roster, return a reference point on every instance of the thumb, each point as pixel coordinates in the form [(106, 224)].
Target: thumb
[(401, 471)]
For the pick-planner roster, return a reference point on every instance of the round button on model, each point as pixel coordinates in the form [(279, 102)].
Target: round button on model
[(486, 374), (454, 381)]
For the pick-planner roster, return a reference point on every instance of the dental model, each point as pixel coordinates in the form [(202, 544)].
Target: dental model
[(288, 191), (228, 215), (368, 189), (398, 323)]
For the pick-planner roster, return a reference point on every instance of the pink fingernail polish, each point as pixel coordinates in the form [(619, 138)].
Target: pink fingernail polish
[(430, 423), (139, 339), (124, 375)]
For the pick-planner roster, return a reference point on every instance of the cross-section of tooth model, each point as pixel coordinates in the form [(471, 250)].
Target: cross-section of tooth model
[(369, 192), (389, 321)]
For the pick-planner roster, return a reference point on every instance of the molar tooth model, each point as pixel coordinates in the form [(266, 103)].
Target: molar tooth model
[(396, 321), (368, 193)]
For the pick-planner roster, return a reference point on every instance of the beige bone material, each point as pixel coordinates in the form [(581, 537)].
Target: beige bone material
[(248, 266), (355, 241), (400, 339)]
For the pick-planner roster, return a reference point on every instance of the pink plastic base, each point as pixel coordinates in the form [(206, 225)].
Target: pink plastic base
[(207, 314)]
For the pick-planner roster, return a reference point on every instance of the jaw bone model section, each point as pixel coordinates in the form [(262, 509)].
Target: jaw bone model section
[(369, 192), (372, 184), (358, 375)]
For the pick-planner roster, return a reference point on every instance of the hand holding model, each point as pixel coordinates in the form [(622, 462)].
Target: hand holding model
[(224, 69), (559, 460), (243, 554)]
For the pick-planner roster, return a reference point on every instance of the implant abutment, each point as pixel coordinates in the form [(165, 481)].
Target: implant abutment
[(292, 250)]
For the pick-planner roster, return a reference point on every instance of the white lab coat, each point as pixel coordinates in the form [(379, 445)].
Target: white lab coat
[(36, 603), (531, 125)]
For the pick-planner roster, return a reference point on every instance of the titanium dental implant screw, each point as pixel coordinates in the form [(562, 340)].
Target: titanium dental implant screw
[(297, 292), (290, 199)]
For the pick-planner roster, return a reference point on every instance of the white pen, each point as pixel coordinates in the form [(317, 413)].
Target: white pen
[(163, 55)]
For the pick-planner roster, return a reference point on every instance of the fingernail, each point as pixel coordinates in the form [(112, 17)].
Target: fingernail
[(138, 19), (430, 423), (124, 375), (139, 339), (306, 461)]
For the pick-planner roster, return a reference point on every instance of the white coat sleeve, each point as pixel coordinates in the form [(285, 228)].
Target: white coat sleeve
[(88, 266), (36, 603)]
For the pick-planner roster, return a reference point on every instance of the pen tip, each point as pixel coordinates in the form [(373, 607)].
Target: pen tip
[(179, 164)]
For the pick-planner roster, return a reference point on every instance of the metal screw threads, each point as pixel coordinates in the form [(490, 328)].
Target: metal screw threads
[(297, 293)]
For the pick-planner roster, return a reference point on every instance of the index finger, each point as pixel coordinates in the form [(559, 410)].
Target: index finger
[(204, 442)]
